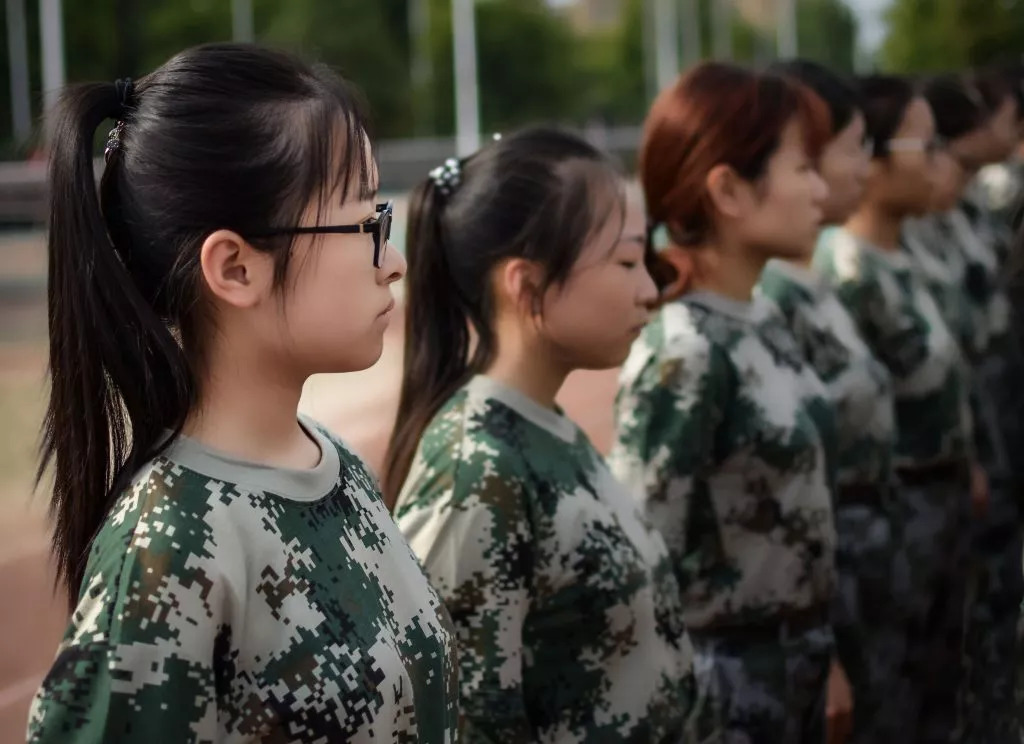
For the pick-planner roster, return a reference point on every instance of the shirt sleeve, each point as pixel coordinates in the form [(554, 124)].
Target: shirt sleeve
[(477, 548), (137, 662), (669, 442)]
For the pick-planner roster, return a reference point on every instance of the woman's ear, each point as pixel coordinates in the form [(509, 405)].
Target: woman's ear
[(728, 192), (518, 284), (235, 272), (674, 263)]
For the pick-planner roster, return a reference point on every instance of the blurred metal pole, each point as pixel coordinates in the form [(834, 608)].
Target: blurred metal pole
[(689, 22), (649, 48), (721, 24), (243, 26), (666, 25), (786, 38), (17, 61), (422, 63), (51, 25), (467, 95)]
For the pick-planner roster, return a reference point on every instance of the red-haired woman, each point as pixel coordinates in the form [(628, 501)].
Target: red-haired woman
[(722, 428)]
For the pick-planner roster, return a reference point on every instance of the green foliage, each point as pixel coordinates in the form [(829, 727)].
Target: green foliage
[(827, 33), (366, 42), (534, 65), (935, 35)]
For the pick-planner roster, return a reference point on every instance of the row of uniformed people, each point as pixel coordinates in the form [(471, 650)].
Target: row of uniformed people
[(962, 250), (231, 567), (796, 422), (243, 579), (959, 266)]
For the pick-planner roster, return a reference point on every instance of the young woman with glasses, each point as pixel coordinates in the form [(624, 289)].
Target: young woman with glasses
[(233, 573)]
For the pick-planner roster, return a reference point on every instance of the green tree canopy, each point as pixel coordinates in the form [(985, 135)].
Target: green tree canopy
[(936, 35), (533, 63)]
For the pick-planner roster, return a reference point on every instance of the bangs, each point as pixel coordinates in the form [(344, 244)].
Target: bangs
[(331, 151), (605, 192), (341, 135), (338, 161), (592, 193)]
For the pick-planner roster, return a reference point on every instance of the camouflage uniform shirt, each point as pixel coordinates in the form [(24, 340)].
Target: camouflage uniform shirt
[(228, 602), (563, 598), (858, 385), (724, 432), (942, 267), (985, 293), (902, 324)]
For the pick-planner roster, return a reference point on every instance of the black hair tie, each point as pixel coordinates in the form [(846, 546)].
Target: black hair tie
[(125, 102), (125, 96)]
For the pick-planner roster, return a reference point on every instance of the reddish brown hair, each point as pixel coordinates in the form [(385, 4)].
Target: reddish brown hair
[(718, 114)]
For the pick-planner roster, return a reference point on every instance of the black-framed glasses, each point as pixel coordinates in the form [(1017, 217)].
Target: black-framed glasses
[(379, 226)]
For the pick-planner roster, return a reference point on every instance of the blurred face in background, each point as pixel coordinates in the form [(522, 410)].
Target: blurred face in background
[(949, 179), (781, 214), (1001, 131), (844, 165), (901, 180)]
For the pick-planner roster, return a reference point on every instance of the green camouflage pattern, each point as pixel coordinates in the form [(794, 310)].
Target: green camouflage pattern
[(217, 611), (996, 581), (995, 223), (963, 281), (984, 294), (768, 689), (917, 314), (967, 239), (726, 435), (903, 327), (858, 385), (870, 630), (563, 597), (998, 191), (941, 265)]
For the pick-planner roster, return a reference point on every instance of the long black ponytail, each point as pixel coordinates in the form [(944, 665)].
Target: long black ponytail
[(536, 194), (117, 376)]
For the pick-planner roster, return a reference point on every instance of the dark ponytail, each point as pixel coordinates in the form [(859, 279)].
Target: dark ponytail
[(437, 343), (117, 376), (538, 194), (126, 308)]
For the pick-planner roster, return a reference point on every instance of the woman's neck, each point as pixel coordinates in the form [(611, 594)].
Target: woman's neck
[(527, 366), (877, 226), (248, 410), (728, 270)]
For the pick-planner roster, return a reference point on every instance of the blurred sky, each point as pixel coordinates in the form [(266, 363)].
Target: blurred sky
[(872, 23)]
